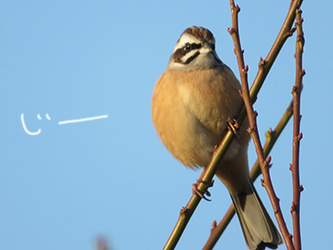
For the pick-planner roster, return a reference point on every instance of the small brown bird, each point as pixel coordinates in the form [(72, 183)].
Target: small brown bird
[(192, 103)]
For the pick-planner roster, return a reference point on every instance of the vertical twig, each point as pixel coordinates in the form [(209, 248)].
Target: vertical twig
[(253, 129), (271, 138), (264, 68), (296, 92)]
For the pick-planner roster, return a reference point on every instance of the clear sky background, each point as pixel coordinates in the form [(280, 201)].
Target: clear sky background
[(112, 177)]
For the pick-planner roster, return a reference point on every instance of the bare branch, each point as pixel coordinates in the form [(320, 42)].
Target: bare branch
[(253, 129), (296, 92), (207, 176), (271, 138), (220, 151)]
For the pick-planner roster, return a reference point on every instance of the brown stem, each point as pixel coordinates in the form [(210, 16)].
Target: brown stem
[(253, 129), (207, 176), (221, 150), (296, 91), (266, 64), (271, 138)]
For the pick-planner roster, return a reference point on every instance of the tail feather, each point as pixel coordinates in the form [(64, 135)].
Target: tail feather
[(258, 228)]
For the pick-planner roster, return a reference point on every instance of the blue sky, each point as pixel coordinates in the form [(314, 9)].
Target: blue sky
[(112, 177)]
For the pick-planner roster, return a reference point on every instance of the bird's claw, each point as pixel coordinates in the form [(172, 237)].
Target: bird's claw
[(196, 190), (233, 126)]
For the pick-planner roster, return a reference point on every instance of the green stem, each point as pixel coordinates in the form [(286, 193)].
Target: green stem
[(226, 141), (271, 138)]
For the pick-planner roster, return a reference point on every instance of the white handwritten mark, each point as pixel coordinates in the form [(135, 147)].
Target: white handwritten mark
[(83, 119), (60, 123), (25, 127)]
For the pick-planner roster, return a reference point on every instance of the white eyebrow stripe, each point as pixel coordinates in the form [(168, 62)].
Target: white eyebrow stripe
[(83, 119), (185, 38)]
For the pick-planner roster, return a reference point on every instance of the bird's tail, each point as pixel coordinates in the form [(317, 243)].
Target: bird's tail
[(258, 228)]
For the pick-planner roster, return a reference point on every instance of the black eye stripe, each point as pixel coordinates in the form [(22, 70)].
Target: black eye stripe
[(187, 48), (191, 58), (191, 46), (179, 53)]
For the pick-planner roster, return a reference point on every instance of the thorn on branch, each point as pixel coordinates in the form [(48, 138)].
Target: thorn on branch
[(268, 160), (293, 207), (291, 32), (300, 39), (251, 130), (300, 136), (269, 134), (301, 188), (294, 89), (183, 210), (235, 8), (277, 211), (290, 236), (246, 68), (299, 11), (291, 167), (301, 73), (262, 62), (231, 30), (214, 224)]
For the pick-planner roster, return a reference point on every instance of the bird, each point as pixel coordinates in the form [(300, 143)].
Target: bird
[(192, 103)]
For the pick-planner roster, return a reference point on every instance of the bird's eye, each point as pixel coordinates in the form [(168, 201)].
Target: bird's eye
[(213, 46), (188, 47)]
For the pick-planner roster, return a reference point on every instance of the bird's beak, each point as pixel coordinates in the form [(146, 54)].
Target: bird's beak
[(206, 49)]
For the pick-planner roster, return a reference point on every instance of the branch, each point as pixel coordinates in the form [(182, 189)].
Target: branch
[(266, 64), (207, 176), (220, 151), (253, 128), (296, 92), (271, 138)]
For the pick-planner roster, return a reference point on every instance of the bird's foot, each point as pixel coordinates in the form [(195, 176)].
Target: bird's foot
[(233, 126), (196, 190)]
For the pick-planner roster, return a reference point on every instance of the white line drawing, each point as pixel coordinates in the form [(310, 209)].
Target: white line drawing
[(83, 119), (25, 127), (60, 123)]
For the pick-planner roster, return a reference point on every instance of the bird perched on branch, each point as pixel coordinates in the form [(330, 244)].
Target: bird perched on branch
[(192, 103)]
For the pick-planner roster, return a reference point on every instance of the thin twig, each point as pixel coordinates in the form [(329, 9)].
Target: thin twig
[(208, 174), (220, 151), (267, 63), (253, 128), (271, 138), (296, 92)]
